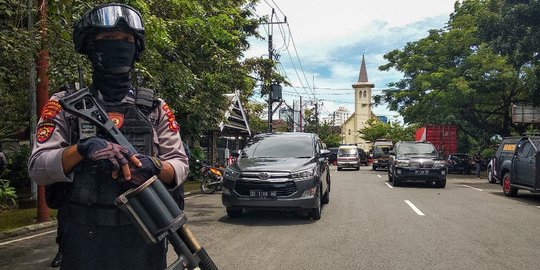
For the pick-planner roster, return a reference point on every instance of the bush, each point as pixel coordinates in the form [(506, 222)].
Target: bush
[(488, 153), (16, 171), (7, 194), (197, 153)]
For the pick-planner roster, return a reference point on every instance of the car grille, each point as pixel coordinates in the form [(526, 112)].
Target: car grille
[(282, 188), (427, 164)]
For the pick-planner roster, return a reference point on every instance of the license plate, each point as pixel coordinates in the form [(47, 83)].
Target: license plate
[(262, 193), (421, 172)]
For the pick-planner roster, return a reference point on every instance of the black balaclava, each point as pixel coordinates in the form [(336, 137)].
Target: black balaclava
[(111, 62)]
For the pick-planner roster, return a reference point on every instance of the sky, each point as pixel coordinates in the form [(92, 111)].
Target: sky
[(321, 46)]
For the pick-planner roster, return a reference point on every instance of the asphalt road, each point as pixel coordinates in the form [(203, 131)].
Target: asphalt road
[(367, 225)]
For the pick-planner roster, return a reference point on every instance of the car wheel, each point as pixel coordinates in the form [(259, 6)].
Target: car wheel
[(326, 197), (396, 182), (233, 212), (491, 179), (357, 168), (508, 190), (374, 168), (389, 176), (339, 169), (441, 183), (315, 213)]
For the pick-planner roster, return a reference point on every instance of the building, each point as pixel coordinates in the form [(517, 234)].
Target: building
[(338, 117), (362, 110)]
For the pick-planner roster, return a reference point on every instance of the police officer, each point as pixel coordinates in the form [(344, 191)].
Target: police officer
[(97, 234)]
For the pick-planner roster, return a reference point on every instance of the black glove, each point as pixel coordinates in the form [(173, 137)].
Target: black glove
[(98, 149), (150, 166)]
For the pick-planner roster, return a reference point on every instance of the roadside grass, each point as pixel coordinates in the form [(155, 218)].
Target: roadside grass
[(12, 219)]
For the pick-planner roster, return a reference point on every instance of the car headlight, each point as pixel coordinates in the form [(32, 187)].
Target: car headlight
[(439, 164), (232, 174), (303, 174), (403, 163)]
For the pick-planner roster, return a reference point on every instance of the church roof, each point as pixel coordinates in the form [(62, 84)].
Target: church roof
[(363, 72), (362, 77)]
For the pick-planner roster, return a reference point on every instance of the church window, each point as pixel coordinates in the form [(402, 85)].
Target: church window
[(365, 93), (349, 132)]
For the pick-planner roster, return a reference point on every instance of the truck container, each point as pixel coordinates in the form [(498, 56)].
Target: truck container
[(443, 137)]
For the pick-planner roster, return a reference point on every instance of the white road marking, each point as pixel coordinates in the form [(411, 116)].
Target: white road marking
[(472, 187), (379, 175), (414, 208), (194, 196), (538, 206), (390, 186), (26, 238)]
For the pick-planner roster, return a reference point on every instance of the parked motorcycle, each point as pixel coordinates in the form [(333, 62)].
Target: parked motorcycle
[(212, 178)]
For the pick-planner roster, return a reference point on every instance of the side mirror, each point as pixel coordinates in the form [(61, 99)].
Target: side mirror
[(325, 153)]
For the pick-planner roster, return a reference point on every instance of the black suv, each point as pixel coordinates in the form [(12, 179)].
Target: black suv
[(278, 171), (411, 160), (460, 163)]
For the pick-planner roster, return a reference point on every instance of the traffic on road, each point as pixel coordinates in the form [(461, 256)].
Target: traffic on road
[(368, 224)]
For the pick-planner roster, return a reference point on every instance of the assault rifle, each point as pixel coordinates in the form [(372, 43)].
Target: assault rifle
[(149, 206)]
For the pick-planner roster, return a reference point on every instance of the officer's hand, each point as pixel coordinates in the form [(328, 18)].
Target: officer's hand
[(149, 166), (99, 149)]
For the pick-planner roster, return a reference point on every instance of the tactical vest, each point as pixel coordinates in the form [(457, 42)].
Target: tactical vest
[(93, 184)]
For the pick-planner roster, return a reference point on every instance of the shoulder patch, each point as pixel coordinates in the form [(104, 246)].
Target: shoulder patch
[(44, 131), (117, 118), (51, 109), (173, 125)]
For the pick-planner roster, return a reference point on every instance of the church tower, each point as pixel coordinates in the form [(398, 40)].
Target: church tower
[(362, 100), (362, 110)]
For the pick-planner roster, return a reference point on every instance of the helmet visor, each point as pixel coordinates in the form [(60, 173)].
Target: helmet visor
[(108, 16)]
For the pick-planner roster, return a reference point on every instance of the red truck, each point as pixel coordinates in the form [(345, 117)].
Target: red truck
[(443, 137)]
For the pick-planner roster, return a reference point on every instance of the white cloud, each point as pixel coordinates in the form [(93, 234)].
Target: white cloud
[(332, 36)]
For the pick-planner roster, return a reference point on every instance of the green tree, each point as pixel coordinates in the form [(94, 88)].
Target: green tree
[(454, 76), (330, 135), (193, 55), (376, 129)]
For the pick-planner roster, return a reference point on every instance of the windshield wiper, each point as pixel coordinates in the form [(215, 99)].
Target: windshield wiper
[(304, 157)]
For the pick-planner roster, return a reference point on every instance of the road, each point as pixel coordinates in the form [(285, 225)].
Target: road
[(367, 225)]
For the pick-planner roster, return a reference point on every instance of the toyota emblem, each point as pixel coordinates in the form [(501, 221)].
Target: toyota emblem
[(263, 175)]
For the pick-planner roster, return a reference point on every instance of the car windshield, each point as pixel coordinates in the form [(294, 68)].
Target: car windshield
[(279, 147), (381, 150), (417, 149), (347, 152)]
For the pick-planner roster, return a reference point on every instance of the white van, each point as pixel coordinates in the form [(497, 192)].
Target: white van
[(348, 157)]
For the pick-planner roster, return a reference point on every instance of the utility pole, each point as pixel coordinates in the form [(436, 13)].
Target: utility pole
[(301, 124), (316, 117), (271, 57), (42, 95)]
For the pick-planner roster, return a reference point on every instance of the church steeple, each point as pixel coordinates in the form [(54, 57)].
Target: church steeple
[(362, 77), (363, 72)]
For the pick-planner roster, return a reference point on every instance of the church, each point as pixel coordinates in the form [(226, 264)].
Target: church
[(362, 111)]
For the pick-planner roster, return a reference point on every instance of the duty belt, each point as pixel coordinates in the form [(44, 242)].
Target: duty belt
[(96, 215)]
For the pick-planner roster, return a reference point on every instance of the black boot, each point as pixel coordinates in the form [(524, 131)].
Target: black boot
[(57, 259)]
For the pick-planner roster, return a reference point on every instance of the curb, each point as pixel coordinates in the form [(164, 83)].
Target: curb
[(27, 229), (50, 224)]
